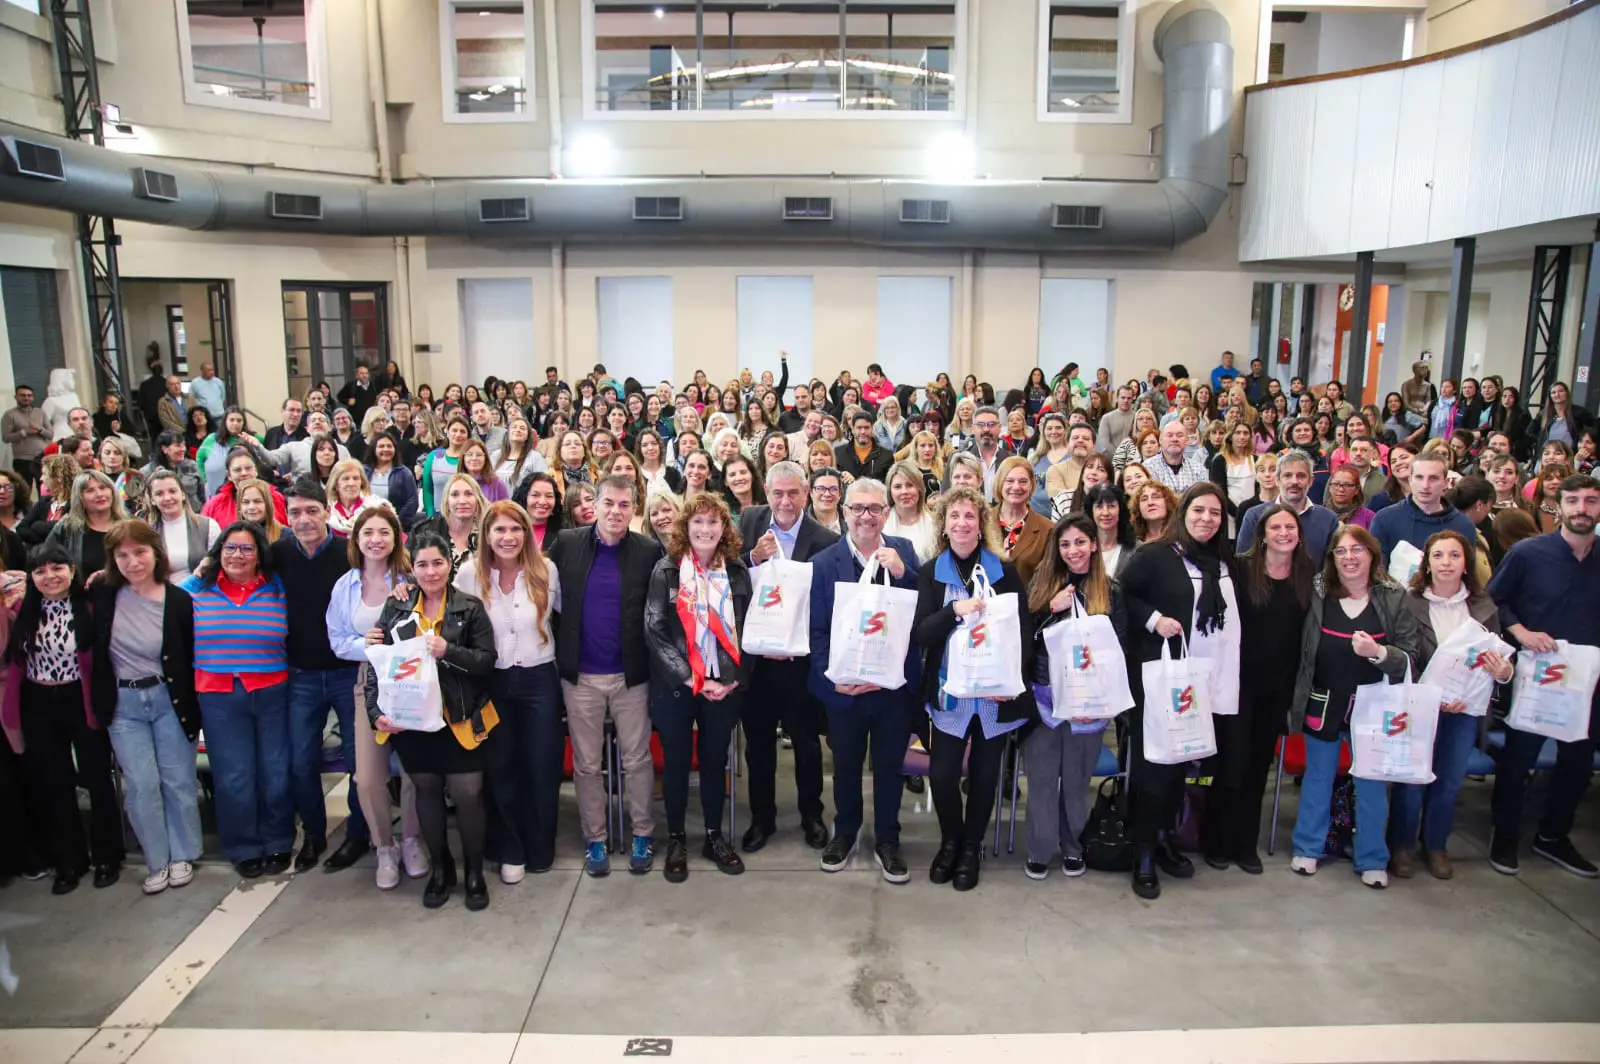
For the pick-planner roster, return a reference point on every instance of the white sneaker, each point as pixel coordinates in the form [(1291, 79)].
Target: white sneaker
[(511, 874), (156, 882), (1303, 866), (180, 873), (416, 858), (388, 867), (1376, 878)]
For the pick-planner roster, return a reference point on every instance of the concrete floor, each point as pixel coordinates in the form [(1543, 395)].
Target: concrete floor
[(787, 950)]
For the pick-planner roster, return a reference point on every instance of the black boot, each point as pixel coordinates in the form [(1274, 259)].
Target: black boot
[(1145, 882), (944, 862), (1171, 861), (475, 889), (965, 876), (440, 883)]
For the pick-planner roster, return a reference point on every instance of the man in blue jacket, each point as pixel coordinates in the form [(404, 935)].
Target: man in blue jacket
[(859, 713), (1413, 519)]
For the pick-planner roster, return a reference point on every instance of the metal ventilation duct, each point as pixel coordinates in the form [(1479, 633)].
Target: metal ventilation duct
[(1192, 39)]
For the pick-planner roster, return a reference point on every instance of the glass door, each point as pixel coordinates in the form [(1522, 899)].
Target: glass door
[(331, 329)]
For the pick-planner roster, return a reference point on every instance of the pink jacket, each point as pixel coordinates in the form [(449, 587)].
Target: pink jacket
[(876, 393)]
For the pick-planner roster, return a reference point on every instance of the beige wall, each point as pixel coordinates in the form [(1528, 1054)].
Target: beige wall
[(1452, 23)]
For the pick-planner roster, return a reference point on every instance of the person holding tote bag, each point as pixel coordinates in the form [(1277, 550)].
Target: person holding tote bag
[(1062, 753), (1358, 631), (1445, 594), (1176, 588), (968, 540)]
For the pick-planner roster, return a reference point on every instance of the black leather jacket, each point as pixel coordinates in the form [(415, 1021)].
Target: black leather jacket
[(468, 661)]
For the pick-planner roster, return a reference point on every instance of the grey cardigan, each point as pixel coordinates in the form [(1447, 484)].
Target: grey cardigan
[(1400, 643), (1480, 608)]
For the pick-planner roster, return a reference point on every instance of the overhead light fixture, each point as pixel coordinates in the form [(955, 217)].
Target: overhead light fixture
[(483, 14), (951, 157), (497, 89), (111, 112), (661, 12), (589, 156)]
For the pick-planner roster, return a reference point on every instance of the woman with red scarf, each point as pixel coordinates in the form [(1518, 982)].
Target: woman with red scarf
[(693, 615)]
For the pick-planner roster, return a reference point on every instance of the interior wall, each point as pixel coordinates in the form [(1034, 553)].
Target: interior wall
[(1452, 23)]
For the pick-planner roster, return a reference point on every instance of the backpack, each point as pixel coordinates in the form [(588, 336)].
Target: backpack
[(1341, 820), (1107, 840)]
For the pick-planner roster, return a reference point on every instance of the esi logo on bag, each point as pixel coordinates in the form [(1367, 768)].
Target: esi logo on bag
[(1546, 672), (771, 597), (1082, 660), (1396, 723), (1182, 699), (873, 622), (977, 635), (403, 668), (1477, 659)]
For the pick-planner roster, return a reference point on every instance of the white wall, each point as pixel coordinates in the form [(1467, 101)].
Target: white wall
[(634, 322), (1349, 40), (497, 332), (1075, 324), (914, 323), (775, 315)]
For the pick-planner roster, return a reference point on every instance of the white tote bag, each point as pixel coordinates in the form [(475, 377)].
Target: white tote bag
[(1392, 729), (1552, 694), (1088, 672), (1457, 669), (983, 656), (778, 623), (408, 684), (870, 631), (1177, 715), (1404, 561)]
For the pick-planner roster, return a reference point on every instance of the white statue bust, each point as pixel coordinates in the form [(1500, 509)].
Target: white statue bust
[(61, 397)]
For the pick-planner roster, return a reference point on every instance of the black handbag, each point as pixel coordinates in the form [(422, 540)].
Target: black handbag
[(1107, 841)]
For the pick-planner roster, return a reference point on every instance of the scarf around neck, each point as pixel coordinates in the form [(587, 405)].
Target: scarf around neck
[(705, 609), (1211, 611)]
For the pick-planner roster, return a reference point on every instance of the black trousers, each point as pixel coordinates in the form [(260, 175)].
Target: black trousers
[(1155, 792), (966, 821), (1574, 766), (676, 713), (28, 469), (55, 732), (1245, 746), (523, 774), (778, 695), (22, 835)]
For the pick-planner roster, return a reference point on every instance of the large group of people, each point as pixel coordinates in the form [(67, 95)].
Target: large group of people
[(581, 562)]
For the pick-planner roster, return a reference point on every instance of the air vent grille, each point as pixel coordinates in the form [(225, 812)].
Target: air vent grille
[(807, 209), (936, 211), (1076, 216), (512, 209), (156, 185), (657, 209), (296, 206), (34, 160)]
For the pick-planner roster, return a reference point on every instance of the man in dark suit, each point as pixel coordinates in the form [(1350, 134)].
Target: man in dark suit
[(778, 686), (859, 714), (863, 456)]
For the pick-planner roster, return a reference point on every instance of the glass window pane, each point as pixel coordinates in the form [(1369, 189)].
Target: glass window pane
[(900, 60), (251, 53), (294, 304), (491, 58), (328, 304), (774, 60), (299, 333), (646, 62), (1083, 58)]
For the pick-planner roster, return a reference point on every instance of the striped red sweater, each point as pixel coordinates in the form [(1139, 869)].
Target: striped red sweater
[(249, 638)]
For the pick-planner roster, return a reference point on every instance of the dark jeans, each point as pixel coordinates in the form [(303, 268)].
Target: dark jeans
[(883, 719), (779, 695), (968, 824), (312, 692), (1574, 764), (55, 733), (675, 713), (1245, 746), (247, 743), (1155, 792), (524, 766)]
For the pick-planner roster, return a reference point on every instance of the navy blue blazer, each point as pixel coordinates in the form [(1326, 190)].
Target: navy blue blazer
[(834, 565)]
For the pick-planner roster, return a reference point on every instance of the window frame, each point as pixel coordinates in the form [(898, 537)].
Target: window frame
[(1127, 39), (447, 69), (957, 112), (316, 62)]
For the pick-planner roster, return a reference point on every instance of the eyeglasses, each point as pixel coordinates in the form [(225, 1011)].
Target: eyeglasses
[(825, 489), (1353, 550), (243, 550), (862, 509)]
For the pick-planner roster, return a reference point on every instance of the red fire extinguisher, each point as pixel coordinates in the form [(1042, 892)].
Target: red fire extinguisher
[(1283, 350)]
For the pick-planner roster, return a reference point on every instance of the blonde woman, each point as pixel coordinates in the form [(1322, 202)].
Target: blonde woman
[(462, 511), (928, 455), (95, 506), (908, 510), (961, 431), (349, 492), (113, 455), (520, 590), (661, 511), (255, 502), (1129, 450), (185, 535)]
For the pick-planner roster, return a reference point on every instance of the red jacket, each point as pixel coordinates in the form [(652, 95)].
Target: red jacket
[(224, 509)]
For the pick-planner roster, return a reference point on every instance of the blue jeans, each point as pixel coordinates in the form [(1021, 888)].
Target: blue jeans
[(1433, 806), (312, 692), (158, 776), (247, 741), (1316, 794), (882, 718)]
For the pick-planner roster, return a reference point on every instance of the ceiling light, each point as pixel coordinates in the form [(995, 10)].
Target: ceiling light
[(483, 14), (661, 12), (951, 157), (497, 89), (589, 156), (112, 112)]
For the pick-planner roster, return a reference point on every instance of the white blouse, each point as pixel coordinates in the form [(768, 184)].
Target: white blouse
[(522, 639)]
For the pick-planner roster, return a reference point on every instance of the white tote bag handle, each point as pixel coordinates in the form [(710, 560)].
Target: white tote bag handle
[(1166, 648)]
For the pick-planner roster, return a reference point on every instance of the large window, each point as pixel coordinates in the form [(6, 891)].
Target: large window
[(1086, 61), (269, 58), (488, 60), (795, 57), (330, 329)]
